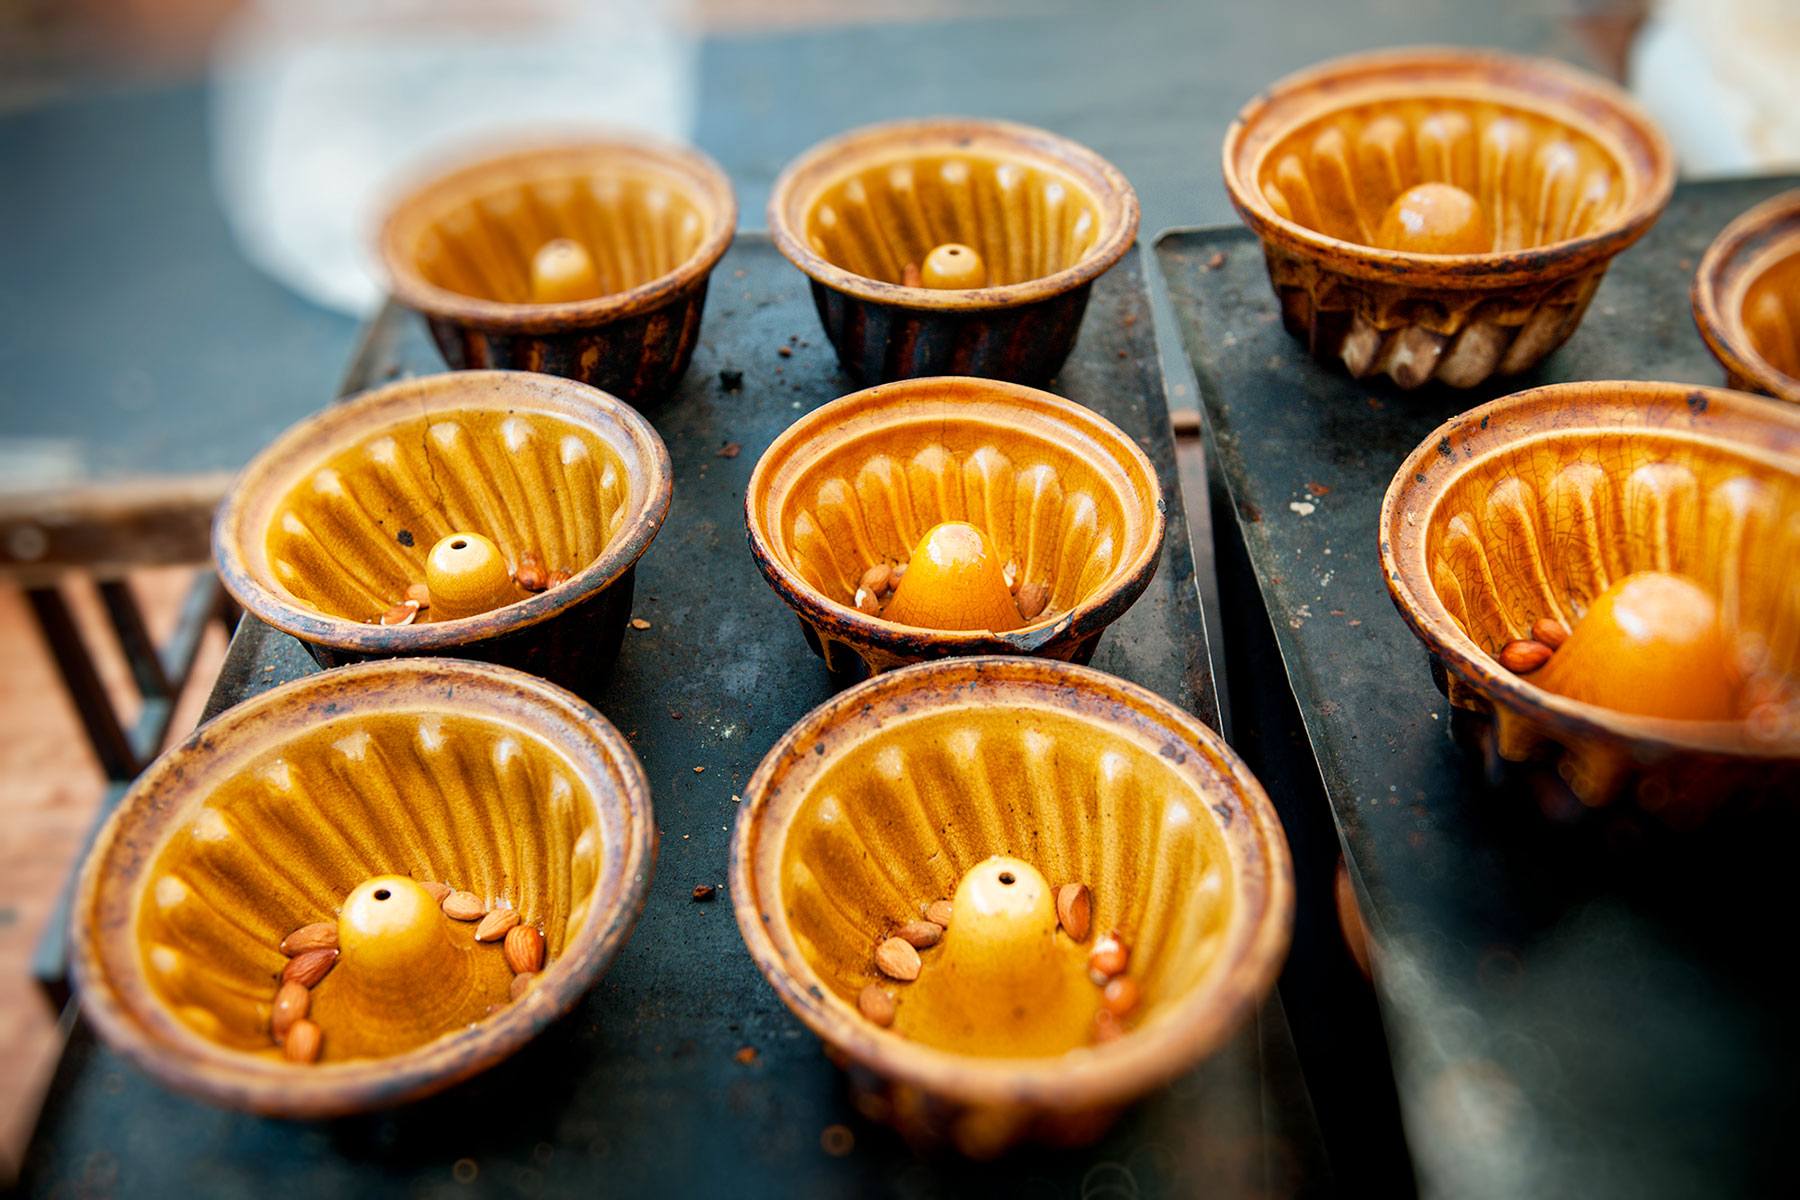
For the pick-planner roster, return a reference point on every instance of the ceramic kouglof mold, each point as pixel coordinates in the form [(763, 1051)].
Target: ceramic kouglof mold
[(1746, 298), (289, 845), (952, 246), (1037, 522), (496, 515), (931, 867), (1442, 213), (1643, 528), (585, 259)]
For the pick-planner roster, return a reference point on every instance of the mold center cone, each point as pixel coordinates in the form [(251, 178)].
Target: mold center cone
[(954, 581)]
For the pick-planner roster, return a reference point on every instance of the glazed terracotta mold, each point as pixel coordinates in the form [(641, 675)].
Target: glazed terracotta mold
[(1532, 505), (1061, 492), (654, 220), (1567, 170), (1747, 298), (878, 801), (265, 818), (331, 523), (1046, 216)]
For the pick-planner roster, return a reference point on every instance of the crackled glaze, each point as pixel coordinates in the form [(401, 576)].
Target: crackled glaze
[(1532, 506), (266, 820), (1746, 298), (881, 801), (1061, 493), (650, 219), (1566, 170)]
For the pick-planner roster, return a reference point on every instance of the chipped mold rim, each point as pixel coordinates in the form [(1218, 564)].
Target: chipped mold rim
[(802, 181), (240, 530), (897, 404), (1751, 425), (1752, 243), (1251, 956), (1577, 98), (433, 193), (107, 969)]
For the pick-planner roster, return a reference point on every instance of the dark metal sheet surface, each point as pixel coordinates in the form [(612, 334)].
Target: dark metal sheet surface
[(1578, 1003), (639, 1090)]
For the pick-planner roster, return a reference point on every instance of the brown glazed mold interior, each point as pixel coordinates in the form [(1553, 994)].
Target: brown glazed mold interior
[(925, 772), (1771, 313), (1746, 297), (1552, 156), (329, 525), (1036, 207), (860, 481), (266, 818), (645, 213), (1549, 496)]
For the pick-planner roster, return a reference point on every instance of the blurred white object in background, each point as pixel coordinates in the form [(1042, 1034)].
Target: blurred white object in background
[(320, 108), (1723, 79)]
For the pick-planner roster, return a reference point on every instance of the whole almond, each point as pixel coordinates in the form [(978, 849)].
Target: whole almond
[(1110, 955), (309, 937), (1549, 631), (291, 1002), (524, 949), (868, 603), (1107, 1027), (1523, 656), (921, 935), (897, 960), (521, 983), (464, 906), (876, 1005), (530, 575), (419, 594), (911, 276), (1031, 599), (875, 579), (938, 913), (304, 1041), (402, 613), (556, 578), (1074, 909), (495, 925), (308, 967), (437, 891), (1120, 996)]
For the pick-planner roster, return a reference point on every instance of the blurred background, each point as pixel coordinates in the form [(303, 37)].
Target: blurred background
[(188, 190)]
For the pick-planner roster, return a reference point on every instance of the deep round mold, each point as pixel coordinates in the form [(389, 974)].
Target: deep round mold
[(1746, 298)]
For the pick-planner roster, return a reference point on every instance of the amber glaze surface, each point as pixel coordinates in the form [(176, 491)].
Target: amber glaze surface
[(1059, 491), (264, 820), (879, 801), (1533, 505), (328, 525), (1046, 216), (653, 218), (1567, 172), (1746, 298)]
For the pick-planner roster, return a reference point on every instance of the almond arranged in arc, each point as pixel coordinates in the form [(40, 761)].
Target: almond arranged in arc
[(1523, 656), (1110, 955), (530, 575), (1032, 598), (521, 983), (524, 949), (464, 906), (292, 1001), (304, 1041), (938, 913), (495, 925), (437, 891), (921, 935), (308, 967), (318, 935), (897, 960), (1550, 632), (876, 1004), (1121, 995), (1074, 909), (419, 594), (875, 579)]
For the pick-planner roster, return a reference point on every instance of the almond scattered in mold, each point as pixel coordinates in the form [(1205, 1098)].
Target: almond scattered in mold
[(531, 575), (1110, 957), (292, 1000), (897, 959), (418, 593), (310, 937), (403, 613), (1550, 632), (1523, 655), (1032, 598), (464, 906), (437, 891), (921, 935), (1120, 995), (524, 949), (875, 579), (938, 913), (304, 1041), (557, 578), (497, 924), (310, 966), (876, 1005)]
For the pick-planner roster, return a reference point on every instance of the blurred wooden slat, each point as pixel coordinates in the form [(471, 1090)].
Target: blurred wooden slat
[(107, 530)]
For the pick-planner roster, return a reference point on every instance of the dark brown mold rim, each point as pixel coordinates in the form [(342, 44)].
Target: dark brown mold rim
[(1741, 252), (425, 202), (107, 970), (851, 625), (239, 539), (1254, 949), (802, 180), (1752, 425), (1586, 101)]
